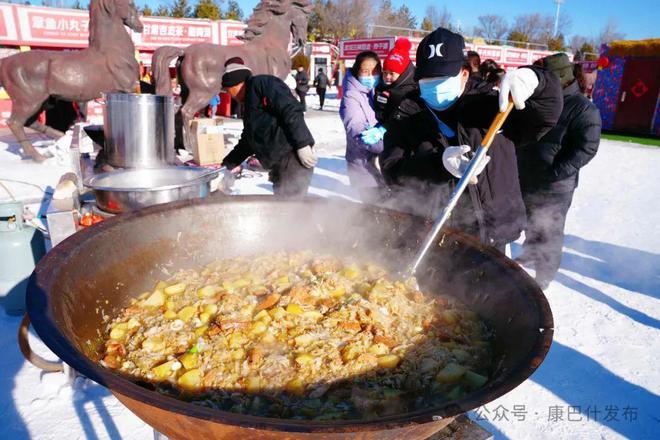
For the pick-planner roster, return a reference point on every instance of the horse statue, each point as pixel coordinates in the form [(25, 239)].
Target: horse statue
[(107, 65), (274, 24)]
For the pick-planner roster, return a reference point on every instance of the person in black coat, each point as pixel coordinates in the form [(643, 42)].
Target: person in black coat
[(442, 124), (398, 81), (321, 84), (302, 86), (274, 129), (549, 172)]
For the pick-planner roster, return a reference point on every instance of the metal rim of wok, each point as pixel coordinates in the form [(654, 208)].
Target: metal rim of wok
[(205, 175), (46, 272)]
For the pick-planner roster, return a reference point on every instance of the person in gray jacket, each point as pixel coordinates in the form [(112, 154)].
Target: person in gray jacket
[(321, 84), (549, 171)]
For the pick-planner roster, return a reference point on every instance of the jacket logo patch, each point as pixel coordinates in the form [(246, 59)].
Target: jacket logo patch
[(382, 99)]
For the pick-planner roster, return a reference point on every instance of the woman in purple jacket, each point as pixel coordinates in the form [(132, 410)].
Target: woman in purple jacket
[(363, 138)]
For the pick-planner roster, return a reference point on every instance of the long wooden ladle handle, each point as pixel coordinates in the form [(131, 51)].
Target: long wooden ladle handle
[(496, 125)]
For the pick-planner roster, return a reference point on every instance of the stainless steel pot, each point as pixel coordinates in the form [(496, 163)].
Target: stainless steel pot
[(139, 130), (129, 190)]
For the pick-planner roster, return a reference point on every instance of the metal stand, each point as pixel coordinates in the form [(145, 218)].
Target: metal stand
[(464, 429), (159, 436)]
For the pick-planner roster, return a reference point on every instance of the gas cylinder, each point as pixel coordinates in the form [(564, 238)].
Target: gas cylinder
[(21, 247)]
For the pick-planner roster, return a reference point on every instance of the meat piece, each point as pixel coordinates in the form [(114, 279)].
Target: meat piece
[(268, 302)]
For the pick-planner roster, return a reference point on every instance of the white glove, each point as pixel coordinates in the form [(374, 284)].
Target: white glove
[(520, 84), (227, 180), (307, 157), (456, 162)]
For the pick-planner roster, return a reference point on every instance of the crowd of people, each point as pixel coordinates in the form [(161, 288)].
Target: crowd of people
[(411, 132)]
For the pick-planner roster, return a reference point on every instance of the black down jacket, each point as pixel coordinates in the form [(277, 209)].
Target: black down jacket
[(273, 123), (388, 96), (553, 164), (302, 82), (414, 147)]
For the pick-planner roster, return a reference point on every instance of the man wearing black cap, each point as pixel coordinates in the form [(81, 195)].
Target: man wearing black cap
[(549, 171), (442, 124), (274, 129)]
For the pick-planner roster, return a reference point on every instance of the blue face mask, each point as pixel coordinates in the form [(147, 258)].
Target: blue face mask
[(441, 93), (369, 81)]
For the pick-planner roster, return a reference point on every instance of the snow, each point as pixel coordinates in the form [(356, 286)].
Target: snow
[(605, 304)]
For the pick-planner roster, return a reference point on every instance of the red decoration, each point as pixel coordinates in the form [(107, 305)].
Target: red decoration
[(639, 89), (603, 62)]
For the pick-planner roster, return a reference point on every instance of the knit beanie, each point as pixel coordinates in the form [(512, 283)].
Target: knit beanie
[(399, 57), (236, 72)]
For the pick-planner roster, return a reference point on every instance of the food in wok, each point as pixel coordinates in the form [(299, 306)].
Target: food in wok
[(298, 335)]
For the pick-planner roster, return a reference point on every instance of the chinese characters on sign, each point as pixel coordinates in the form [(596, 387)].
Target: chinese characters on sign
[(61, 24), (560, 413), (160, 31), (50, 27), (489, 52), (516, 56), (349, 49)]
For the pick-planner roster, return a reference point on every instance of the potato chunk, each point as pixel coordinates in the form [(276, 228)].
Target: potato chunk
[(156, 299), (389, 361), (189, 360), (175, 289), (451, 373), (191, 380), (295, 387)]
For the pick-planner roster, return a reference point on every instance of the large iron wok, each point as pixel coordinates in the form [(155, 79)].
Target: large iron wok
[(98, 269)]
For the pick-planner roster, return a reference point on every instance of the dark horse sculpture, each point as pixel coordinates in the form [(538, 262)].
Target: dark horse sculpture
[(107, 65), (273, 25)]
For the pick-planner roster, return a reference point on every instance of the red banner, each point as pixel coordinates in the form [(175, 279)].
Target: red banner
[(229, 30), (5, 112), (69, 28), (414, 44), (349, 49), (537, 54), (50, 27), (489, 52), (8, 31), (517, 56), (174, 32)]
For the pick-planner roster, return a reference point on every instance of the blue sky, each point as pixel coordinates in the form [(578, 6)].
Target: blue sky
[(636, 18)]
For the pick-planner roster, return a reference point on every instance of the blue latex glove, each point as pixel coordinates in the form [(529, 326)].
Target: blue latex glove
[(373, 135)]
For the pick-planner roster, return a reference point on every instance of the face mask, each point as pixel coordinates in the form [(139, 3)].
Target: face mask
[(369, 81), (441, 93)]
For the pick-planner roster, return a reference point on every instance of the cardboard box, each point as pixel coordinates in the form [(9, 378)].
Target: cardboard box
[(208, 141)]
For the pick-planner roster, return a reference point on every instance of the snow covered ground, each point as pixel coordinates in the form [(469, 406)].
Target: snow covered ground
[(601, 378)]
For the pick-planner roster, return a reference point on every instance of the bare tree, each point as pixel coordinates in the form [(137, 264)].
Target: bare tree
[(533, 26), (565, 24), (491, 27), (439, 18), (540, 29), (334, 20), (387, 15), (576, 42), (610, 32)]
